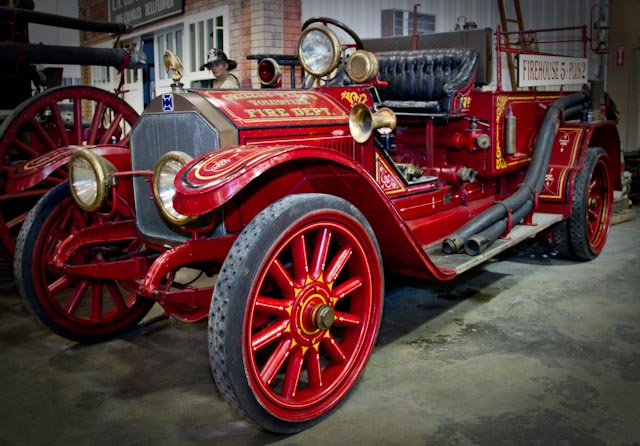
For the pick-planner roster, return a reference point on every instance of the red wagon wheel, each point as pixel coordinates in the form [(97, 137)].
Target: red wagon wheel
[(296, 311), (583, 236), (77, 307), (50, 120)]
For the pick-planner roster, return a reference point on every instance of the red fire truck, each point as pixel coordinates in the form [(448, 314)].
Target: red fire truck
[(274, 213)]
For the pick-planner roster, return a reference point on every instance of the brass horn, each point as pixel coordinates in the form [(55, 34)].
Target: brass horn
[(362, 121)]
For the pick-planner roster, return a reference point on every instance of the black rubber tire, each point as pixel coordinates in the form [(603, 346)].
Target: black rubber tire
[(236, 283), (34, 247), (573, 237)]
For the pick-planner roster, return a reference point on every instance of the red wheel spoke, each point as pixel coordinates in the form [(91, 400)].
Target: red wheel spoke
[(292, 374), (95, 123), (60, 284), (314, 368), (117, 298), (42, 134), (272, 306), (338, 263), (106, 138), (299, 257), (320, 253), (346, 319), (77, 120), (96, 301), (57, 117), (275, 361), (278, 272), (25, 148), (76, 297), (269, 334), (18, 220), (333, 349), (346, 288)]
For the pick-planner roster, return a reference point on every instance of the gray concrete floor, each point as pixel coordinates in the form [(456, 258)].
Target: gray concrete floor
[(529, 349)]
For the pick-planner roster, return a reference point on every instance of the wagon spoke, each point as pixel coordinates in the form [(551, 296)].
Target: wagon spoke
[(275, 361), (320, 253), (314, 368), (347, 287), (60, 284), (95, 122), (292, 373), (96, 301), (62, 131), (117, 297), (333, 350), (106, 138), (42, 134), (269, 334), (278, 272), (77, 120), (338, 263), (272, 306), (299, 258), (76, 297), (346, 319)]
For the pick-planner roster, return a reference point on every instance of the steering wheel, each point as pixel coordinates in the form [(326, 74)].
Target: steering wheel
[(337, 24)]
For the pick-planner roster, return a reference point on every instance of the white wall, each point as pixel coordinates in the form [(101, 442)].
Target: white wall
[(364, 16)]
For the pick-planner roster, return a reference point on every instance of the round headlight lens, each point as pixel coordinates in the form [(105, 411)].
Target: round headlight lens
[(165, 172), (318, 51), (88, 179)]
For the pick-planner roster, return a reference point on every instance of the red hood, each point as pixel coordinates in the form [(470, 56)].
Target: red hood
[(265, 107)]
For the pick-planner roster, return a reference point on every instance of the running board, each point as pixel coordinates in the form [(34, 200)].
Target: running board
[(462, 262)]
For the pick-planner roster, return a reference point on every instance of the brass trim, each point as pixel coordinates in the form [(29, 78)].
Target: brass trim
[(183, 159), (102, 168)]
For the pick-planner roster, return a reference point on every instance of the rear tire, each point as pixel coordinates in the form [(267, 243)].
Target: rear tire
[(584, 234)]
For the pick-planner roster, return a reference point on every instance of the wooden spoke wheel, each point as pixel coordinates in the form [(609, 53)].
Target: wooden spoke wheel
[(84, 309), (584, 235), (50, 120), (296, 311)]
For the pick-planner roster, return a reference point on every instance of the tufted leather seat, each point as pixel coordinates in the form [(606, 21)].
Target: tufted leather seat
[(425, 80)]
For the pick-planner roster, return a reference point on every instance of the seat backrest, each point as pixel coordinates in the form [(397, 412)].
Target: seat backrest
[(425, 75)]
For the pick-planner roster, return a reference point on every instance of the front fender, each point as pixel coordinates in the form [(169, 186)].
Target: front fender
[(25, 175), (212, 179)]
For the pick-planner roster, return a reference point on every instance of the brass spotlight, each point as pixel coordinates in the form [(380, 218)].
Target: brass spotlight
[(362, 122)]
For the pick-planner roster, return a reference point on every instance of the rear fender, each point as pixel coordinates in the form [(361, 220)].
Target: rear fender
[(246, 179), (568, 157), (25, 175)]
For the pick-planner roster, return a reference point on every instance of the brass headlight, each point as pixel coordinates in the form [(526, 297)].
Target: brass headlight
[(318, 50), (89, 179), (165, 172), (362, 66)]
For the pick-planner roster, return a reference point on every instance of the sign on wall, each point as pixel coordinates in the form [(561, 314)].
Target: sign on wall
[(139, 12), (536, 70)]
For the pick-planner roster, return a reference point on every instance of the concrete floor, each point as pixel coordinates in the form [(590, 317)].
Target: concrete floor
[(530, 349)]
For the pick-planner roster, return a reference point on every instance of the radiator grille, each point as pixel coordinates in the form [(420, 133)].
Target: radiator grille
[(154, 135)]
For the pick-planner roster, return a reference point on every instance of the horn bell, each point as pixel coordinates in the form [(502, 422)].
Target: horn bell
[(362, 121)]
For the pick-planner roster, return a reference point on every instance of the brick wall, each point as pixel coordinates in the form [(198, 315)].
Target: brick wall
[(255, 27)]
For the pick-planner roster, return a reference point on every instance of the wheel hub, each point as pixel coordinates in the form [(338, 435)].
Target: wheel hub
[(313, 314), (324, 316)]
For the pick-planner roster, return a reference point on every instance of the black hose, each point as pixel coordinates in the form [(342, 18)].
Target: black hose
[(533, 181), (59, 21)]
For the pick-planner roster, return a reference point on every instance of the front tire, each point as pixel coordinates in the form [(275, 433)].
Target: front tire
[(296, 311), (82, 309), (584, 234)]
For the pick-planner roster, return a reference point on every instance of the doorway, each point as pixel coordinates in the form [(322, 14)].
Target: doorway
[(148, 71)]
